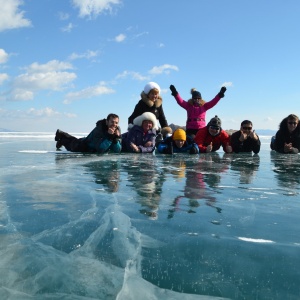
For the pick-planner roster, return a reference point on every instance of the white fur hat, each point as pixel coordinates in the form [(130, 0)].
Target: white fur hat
[(151, 85), (146, 116)]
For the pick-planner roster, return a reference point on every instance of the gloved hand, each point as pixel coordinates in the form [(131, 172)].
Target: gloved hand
[(169, 149), (173, 90), (194, 150), (222, 91)]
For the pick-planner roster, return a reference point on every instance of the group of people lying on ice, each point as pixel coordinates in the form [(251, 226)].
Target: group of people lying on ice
[(144, 135)]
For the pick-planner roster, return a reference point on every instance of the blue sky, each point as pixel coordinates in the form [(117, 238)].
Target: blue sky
[(68, 63)]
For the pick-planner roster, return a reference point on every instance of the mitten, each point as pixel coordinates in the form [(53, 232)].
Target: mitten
[(173, 90), (222, 91), (194, 150)]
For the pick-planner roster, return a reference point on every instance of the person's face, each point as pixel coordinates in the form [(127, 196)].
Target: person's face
[(153, 95), (246, 128), (147, 125), (179, 143), (213, 130), (292, 124), (112, 123), (197, 100)]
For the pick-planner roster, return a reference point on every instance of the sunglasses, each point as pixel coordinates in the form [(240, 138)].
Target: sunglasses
[(197, 98), (292, 123), (214, 127), (247, 128)]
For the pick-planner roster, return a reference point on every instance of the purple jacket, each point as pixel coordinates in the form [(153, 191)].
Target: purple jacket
[(139, 138), (196, 114)]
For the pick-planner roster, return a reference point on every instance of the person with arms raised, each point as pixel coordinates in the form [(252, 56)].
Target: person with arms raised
[(196, 108)]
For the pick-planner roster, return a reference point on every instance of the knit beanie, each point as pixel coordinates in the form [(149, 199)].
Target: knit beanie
[(195, 94), (215, 121), (179, 134), (150, 86)]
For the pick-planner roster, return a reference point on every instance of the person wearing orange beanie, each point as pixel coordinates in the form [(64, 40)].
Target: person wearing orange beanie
[(179, 142)]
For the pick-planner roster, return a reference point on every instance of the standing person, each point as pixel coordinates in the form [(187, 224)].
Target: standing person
[(179, 142), (245, 140), (196, 108), (141, 137), (151, 101), (211, 137), (287, 138), (105, 137)]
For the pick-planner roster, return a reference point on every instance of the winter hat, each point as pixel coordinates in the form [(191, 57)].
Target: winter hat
[(215, 122), (150, 86), (146, 116), (179, 134), (195, 94)]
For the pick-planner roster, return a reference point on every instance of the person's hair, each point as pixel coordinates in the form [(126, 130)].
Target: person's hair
[(113, 116), (153, 90), (283, 124), (246, 122)]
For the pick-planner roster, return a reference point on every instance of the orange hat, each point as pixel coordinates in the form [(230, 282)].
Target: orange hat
[(179, 134)]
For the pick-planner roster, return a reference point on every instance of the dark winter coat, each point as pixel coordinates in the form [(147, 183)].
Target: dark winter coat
[(247, 145), (137, 136), (146, 105), (99, 140), (283, 136)]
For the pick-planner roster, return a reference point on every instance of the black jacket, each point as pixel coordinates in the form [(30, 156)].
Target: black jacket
[(247, 145)]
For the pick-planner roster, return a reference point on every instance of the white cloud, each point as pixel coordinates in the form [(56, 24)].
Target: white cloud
[(163, 69), (93, 91), (33, 113), (120, 38), (50, 76), (227, 84), (133, 75), (3, 77), (10, 15), (45, 112), (67, 28), (3, 56), (87, 55), (92, 8)]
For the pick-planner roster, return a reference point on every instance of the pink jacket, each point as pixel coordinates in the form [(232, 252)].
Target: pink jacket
[(196, 114)]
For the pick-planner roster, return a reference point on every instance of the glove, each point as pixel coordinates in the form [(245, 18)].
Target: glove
[(173, 90), (194, 150), (169, 149), (222, 91)]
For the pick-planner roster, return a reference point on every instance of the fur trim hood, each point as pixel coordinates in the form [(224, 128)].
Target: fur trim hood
[(150, 103), (146, 116), (191, 102)]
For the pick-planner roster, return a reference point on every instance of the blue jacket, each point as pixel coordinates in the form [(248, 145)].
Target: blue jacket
[(164, 146)]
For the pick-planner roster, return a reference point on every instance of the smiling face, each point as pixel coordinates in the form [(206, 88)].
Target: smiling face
[(292, 124), (246, 128), (153, 95), (214, 130), (147, 125), (112, 123)]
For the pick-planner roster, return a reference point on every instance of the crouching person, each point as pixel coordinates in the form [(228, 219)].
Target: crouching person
[(105, 137), (177, 143), (141, 137)]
